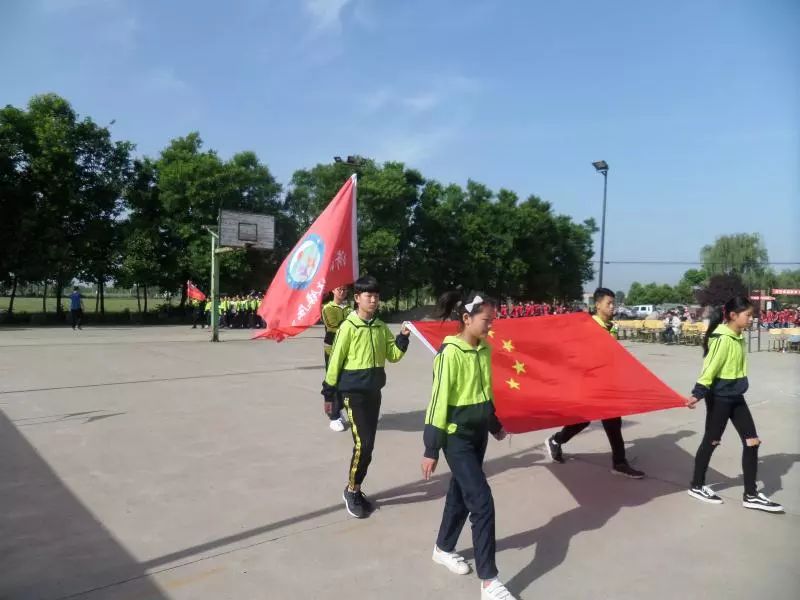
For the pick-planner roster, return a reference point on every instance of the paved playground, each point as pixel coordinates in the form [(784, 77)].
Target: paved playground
[(147, 463)]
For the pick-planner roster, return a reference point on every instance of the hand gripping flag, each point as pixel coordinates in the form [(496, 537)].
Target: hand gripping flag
[(560, 370), (325, 258), (193, 292)]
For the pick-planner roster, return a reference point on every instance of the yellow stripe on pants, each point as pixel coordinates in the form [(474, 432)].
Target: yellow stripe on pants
[(357, 440)]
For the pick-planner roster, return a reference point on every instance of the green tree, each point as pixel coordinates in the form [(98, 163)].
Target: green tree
[(720, 289), (742, 254), (388, 197), (788, 279), (63, 200), (193, 186)]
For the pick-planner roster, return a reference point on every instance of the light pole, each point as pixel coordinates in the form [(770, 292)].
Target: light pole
[(601, 167)]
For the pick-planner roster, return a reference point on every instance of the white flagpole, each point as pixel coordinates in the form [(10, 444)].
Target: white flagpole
[(354, 217), (421, 337)]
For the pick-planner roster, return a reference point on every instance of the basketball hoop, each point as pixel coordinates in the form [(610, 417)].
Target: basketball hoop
[(239, 229)]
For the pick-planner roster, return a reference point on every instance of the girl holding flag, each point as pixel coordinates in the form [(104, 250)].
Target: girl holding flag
[(459, 418), (723, 383)]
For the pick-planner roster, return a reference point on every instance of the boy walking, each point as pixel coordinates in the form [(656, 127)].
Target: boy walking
[(333, 315), (356, 372)]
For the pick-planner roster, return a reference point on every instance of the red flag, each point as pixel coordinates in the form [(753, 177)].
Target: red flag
[(194, 292), (325, 258), (560, 370)]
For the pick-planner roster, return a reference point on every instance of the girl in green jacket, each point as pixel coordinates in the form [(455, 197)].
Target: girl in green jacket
[(458, 421), (723, 383)]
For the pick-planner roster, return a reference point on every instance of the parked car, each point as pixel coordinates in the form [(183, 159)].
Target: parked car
[(624, 312), (641, 311)]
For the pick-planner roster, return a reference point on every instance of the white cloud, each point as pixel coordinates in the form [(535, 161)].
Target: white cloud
[(62, 6), (163, 79), (422, 102), (415, 147), (442, 92), (327, 14), (376, 100)]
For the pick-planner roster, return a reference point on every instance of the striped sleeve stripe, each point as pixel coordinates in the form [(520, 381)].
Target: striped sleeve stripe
[(436, 393)]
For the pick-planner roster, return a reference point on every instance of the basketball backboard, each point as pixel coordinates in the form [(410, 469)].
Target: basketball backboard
[(246, 230)]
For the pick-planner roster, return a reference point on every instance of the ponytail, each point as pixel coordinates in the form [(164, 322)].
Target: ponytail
[(719, 314), (455, 305), (715, 319)]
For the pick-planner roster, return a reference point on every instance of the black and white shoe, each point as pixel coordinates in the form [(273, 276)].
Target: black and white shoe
[(628, 471), (705, 494), (353, 504), (365, 502), (554, 450), (761, 502)]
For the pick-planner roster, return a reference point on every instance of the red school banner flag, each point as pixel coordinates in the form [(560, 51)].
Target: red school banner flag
[(192, 291), (559, 370), (325, 258)]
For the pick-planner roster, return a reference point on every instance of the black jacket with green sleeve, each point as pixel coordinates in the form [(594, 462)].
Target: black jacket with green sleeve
[(360, 351), (461, 401)]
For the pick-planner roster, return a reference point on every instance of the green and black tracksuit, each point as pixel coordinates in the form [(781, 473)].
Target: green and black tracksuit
[(333, 315), (356, 371), (612, 426), (723, 383), (459, 418)]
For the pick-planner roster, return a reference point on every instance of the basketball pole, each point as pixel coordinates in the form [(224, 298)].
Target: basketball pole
[(215, 267)]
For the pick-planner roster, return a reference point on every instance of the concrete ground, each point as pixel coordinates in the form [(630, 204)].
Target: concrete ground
[(147, 463)]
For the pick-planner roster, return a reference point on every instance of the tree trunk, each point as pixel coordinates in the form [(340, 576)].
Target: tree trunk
[(138, 299), (102, 297), (96, 299), (59, 296), (145, 298), (13, 295), (44, 297)]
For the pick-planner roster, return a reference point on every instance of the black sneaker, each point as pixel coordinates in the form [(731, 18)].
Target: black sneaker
[(353, 504), (368, 506), (761, 502), (554, 450), (704, 494), (626, 470)]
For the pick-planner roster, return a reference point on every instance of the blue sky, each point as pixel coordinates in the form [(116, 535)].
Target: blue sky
[(694, 104)]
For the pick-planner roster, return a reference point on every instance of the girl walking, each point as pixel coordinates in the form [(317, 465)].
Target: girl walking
[(723, 383), (458, 421)]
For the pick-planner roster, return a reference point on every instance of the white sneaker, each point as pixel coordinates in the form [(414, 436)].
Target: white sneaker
[(495, 591), (337, 425), (451, 560)]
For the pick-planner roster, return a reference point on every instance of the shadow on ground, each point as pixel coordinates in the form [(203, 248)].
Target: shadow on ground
[(51, 546)]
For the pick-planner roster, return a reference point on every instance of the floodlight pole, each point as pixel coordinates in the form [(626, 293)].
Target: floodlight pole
[(603, 227), (601, 167)]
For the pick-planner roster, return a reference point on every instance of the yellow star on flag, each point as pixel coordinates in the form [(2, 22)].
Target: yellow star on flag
[(508, 345), (519, 367), (491, 333), (514, 385)]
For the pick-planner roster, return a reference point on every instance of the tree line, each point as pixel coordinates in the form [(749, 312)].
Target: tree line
[(79, 205), (737, 262)]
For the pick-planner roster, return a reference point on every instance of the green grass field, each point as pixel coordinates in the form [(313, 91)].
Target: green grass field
[(34, 305)]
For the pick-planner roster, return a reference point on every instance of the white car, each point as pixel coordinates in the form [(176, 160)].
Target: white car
[(641, 311)]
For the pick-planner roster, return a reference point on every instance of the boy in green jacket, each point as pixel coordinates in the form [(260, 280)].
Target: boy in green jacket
[(355, 371)]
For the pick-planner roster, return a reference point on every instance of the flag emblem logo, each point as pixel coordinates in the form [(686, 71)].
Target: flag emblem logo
[(305, 262)]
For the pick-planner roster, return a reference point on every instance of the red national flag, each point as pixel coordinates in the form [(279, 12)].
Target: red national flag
[(559, 370), (194, 292), (325, 258)]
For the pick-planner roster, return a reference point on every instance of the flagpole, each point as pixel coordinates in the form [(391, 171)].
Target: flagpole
[(354, 225), (420, 337)]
